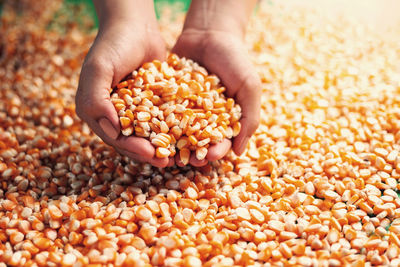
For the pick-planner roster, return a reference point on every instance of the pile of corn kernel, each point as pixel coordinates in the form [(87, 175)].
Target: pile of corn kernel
[(317, 185), (176, 104)]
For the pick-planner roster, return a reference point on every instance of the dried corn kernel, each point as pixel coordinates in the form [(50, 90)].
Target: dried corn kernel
[(317, 185), (167, 113), (201, 153), (162, 152), (184, 155)]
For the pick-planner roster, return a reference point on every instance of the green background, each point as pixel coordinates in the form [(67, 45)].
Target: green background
[(86, 7), (183, 5)]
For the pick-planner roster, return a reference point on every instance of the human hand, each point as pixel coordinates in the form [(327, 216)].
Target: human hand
[(123, 43), (223, 53), (213, 36)]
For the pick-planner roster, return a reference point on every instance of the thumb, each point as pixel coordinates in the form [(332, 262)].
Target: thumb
[(92, 100), (249, 98)]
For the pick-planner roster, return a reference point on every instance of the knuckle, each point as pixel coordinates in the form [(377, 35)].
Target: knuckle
[(253, 124), (94, 64), (249, 86), (107, 142), (253, 83), (88, 107), (78, 112), (79, 108)]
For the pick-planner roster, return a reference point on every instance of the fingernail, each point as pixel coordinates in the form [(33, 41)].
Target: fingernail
[(244, 144), (108, 129)]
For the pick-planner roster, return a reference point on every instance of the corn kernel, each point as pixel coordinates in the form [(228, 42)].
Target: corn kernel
[(317, 184)]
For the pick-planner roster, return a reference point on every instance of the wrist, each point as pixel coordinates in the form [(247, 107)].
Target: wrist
[(223, 16), (212, 31), (202, 45), (228, 26), (137, 14)]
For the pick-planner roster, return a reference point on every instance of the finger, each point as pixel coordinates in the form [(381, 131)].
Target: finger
[(171, 162), (195, 162), (178, 161), (249, 126), (157, 162), (218, 151), (95, 127), (132, 144), (249, 98), (137, 145), (93, 97)]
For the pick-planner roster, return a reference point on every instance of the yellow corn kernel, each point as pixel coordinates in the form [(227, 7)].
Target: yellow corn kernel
[(236, 129), (201, 153), (143, 116), (192, 140), (119, 107), (162, 152), (184, 155), (122, 84), (125, 122), (158, 142), (122, 92), (183, 142)]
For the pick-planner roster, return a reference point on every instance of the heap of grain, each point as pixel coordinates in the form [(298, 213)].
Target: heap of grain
[(317, 185), (178, 105)]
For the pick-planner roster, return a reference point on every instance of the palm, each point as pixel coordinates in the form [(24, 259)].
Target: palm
[(224, 54), (114, 54), (127, 50)]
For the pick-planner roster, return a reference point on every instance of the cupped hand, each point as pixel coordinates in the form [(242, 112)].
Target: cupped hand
[(224, 54), (118, 49)]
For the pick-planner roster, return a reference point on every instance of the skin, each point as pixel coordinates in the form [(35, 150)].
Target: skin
[(129, 36)]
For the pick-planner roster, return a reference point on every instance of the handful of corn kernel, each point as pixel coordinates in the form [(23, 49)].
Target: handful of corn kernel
[(177, 105)]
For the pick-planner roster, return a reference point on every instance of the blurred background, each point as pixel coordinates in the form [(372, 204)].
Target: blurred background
[(83, 10), (377, 13)]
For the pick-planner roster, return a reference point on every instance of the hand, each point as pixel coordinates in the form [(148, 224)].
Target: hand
[(121, 46), (224, 54)]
